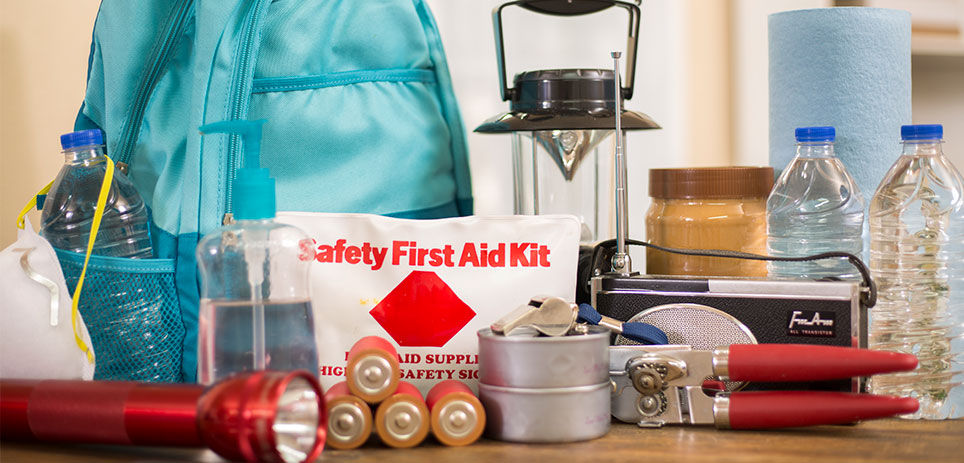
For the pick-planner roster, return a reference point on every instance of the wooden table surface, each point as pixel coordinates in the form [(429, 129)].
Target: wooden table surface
[(880, 441)]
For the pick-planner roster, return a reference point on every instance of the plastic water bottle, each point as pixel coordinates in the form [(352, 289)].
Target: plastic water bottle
[(815, 207), (917, 259), (69, 209)]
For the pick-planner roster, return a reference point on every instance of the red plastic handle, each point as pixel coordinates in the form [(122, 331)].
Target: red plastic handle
[(803, 362), (784, 409)]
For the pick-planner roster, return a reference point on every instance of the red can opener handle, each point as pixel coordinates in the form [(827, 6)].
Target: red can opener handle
[(802, 362), (784, 409)]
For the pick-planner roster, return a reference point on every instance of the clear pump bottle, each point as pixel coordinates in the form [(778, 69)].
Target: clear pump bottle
[(255, 311)]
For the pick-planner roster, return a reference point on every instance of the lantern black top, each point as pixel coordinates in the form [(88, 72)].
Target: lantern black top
[(564, 90), (570, 99)]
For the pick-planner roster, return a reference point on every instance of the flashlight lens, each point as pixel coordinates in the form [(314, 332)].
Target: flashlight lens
[(296, 422)]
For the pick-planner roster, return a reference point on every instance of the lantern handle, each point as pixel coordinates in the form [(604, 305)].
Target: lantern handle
[(570, 8)]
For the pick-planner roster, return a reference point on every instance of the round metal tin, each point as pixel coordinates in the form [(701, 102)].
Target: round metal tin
[(525, 360), (546, 415)]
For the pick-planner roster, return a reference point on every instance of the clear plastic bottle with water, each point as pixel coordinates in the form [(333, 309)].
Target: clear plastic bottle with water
[(815, 207), (70, 207), (917, 260)]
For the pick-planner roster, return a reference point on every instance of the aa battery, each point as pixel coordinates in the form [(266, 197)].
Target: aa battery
[(349, 418), (402, 420), (372, 371), (457, 416)]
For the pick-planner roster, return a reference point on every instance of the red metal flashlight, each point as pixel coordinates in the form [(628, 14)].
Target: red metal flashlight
[(261, 416)]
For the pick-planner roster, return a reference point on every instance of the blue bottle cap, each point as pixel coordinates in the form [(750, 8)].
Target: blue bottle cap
[(922, 132), (815, 134), (81, 138)]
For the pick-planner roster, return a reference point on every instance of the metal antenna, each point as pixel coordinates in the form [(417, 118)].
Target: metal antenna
[(622, 263)]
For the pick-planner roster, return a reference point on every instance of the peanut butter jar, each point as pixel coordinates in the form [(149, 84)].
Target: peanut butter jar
[(708, 208)]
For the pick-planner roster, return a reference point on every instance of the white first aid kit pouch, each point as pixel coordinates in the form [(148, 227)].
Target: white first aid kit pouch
[(428, 286), (39, 339)]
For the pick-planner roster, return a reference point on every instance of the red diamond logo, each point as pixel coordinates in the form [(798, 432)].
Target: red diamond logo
[(422, 311)]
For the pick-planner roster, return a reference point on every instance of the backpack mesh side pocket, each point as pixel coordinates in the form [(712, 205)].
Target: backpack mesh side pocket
[(131, 311)]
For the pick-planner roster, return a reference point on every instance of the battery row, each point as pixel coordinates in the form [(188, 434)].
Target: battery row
[(403, 418)]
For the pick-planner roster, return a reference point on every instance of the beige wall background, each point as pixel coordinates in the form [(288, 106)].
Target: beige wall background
[(44, 46), (701, 70)]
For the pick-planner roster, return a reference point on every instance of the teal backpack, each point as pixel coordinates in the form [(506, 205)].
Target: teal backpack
[(361, 118)]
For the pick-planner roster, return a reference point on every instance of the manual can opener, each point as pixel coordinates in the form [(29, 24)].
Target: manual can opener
[(658, 385)]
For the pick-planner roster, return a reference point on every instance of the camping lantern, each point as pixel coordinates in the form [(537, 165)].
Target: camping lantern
[(559, 119)]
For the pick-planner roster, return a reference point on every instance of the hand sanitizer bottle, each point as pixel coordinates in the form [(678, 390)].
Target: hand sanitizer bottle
[(255, 311)]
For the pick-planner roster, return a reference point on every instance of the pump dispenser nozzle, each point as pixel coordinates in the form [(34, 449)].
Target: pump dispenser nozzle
[(254, 189)]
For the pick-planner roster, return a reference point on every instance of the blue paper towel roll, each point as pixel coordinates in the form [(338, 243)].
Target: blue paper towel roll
[(845, 67)]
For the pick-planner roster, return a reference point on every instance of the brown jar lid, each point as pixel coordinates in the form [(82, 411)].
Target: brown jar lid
[(711, 182)]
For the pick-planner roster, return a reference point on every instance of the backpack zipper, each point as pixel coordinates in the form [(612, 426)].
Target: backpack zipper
[(132, 128), (241, 83), (338, 79)]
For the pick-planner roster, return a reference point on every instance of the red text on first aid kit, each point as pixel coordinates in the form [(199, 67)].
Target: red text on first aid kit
[(526, 254)]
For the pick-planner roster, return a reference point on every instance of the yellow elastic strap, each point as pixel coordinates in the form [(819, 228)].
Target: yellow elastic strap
[(21, 223), (94, 227)]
